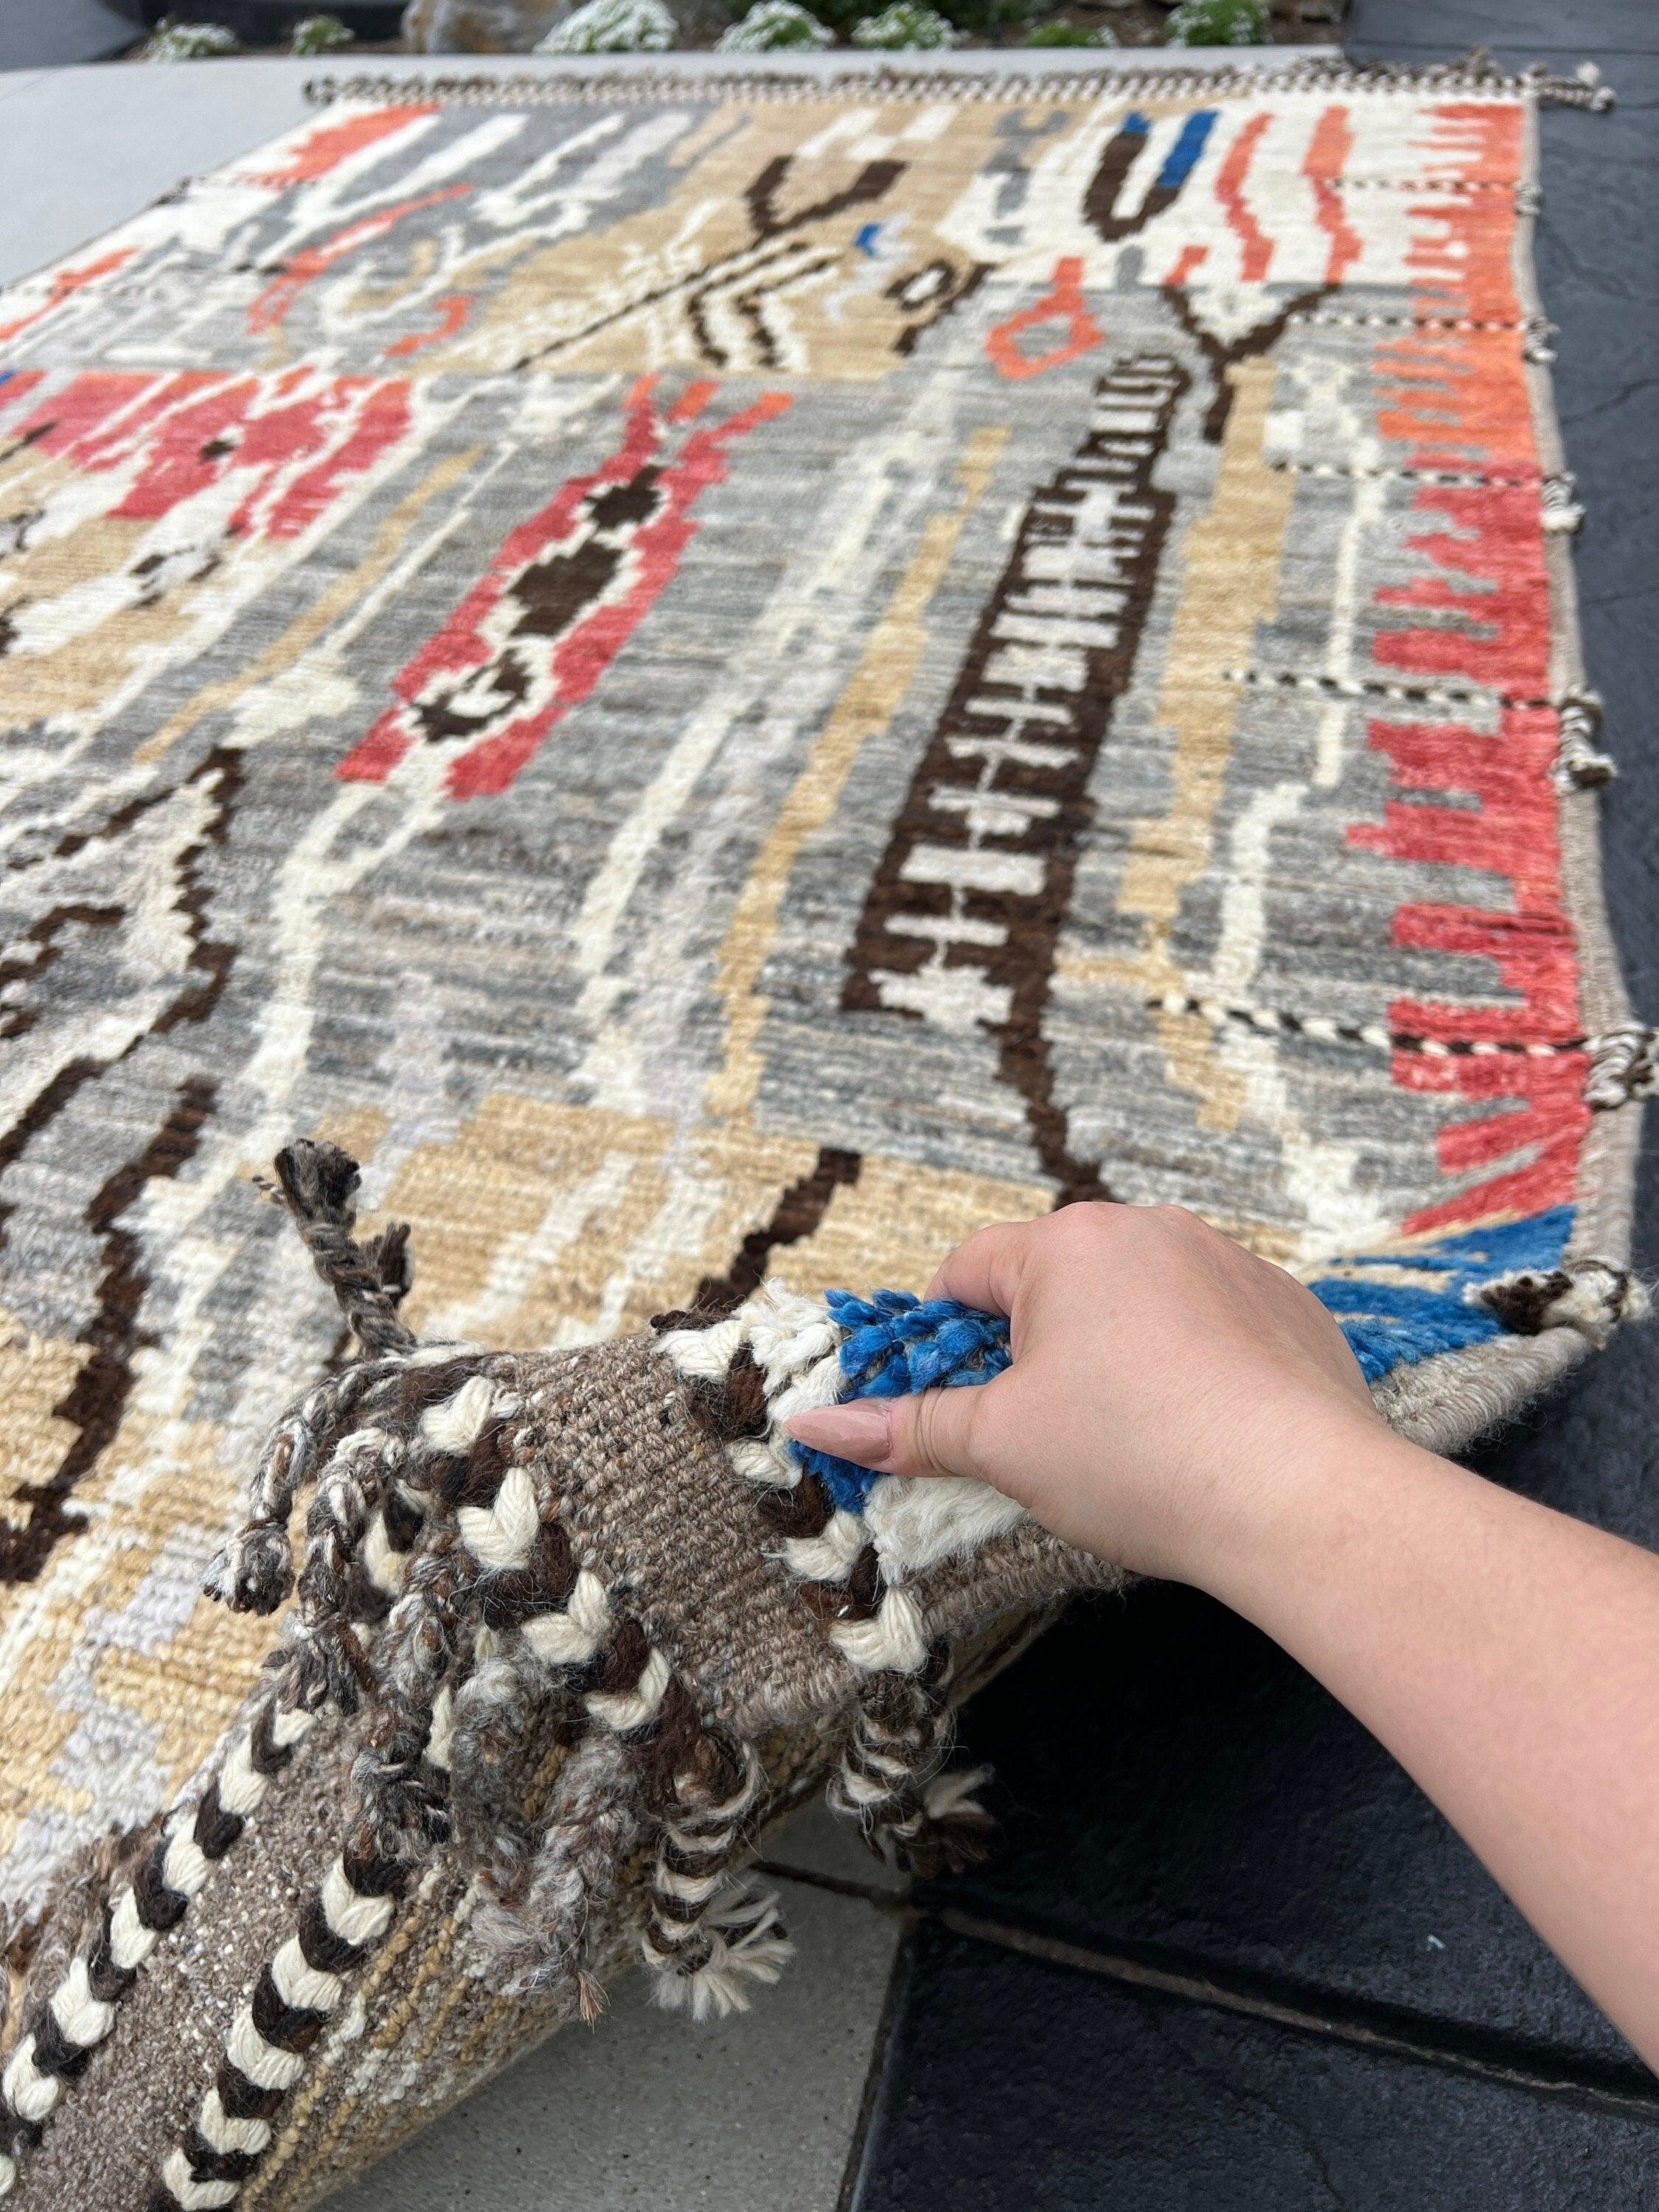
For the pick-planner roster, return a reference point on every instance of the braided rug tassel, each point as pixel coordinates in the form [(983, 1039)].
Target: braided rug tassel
[(1580, 764), (300, 1989), (543, 1621), (319, 1184), (1623, 1065), (317, 1181), (254, 1572), (495, 1710), (889, 1781), (593, 1820), (707, 1936), (423, 1633), (1591, 1296)]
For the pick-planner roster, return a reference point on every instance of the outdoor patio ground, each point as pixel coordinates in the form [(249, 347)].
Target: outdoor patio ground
[(1228, 1957)]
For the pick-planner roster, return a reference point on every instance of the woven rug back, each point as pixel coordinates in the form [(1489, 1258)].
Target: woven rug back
[(723, 687)]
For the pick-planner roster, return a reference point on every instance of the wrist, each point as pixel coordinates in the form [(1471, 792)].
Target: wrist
[(1302, 1497)]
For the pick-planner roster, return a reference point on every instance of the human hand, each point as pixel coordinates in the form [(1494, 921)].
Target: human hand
[(1184, 1409), (1169, 1390)]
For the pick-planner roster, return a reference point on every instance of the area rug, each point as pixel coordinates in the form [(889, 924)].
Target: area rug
[(721, 680)]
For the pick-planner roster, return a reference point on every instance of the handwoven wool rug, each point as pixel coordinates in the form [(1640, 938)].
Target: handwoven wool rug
[(724, 680)]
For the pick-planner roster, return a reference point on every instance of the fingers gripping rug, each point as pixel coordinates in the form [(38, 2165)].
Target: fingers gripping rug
[(720, 682)]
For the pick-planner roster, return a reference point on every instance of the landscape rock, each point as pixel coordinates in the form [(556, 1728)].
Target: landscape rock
[(479, 27)]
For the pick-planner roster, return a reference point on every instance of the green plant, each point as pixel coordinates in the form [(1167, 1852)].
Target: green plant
[(613, 26), (320, 34), (988, 15), (1068, 34), (905, 27), (773, 26), (174, 41), (973, 16), (1219, 23)]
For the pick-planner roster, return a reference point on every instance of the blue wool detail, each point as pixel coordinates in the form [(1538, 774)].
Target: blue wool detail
[(1394, 1323), (1134, 125), (896, 1345), (1194, 135), (865, 237)]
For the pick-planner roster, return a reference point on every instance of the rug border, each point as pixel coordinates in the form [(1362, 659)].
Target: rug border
[(954, 77), (1450, 1398)]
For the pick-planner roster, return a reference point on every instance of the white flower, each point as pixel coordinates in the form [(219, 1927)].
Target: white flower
[(906, 26), (613, 26), (1217, 23), (320, 34), (171, 42), (771, 24)]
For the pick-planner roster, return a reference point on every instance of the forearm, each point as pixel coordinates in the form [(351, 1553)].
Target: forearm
[(1508, 1658), (1184, 1409)]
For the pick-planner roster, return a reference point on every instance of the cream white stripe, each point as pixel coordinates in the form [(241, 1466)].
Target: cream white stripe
[(761, 1459), (354, 1918), (195, 2196), (370, 1440), (568, 1638), (241, 1786), (186, 1867), (288, 1726), (789, 1333), (691, 1888), (443, 1729), (129, 1942), (383, 1563), (30, 2092), (247, 2136), (828, 1556), (894, 1638), (499, 1536), (265, 2065), (457, 1425), (860, 1788), (83, 2018), (302, 1984), (895, 1769), (704, 1354)]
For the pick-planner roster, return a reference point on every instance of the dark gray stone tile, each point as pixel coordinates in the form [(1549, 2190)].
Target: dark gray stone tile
[(1173, 1789), (825, 1847), (751, 2114), (83, 150), (1599, 277), (46, 33), (1012, 2082), (1587, 26)]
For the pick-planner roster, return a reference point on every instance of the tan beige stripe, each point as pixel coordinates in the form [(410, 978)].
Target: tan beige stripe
[(1230, 566), (865, 708)]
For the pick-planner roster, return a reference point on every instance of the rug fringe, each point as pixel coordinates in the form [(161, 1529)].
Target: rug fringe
[(1473, 72)]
